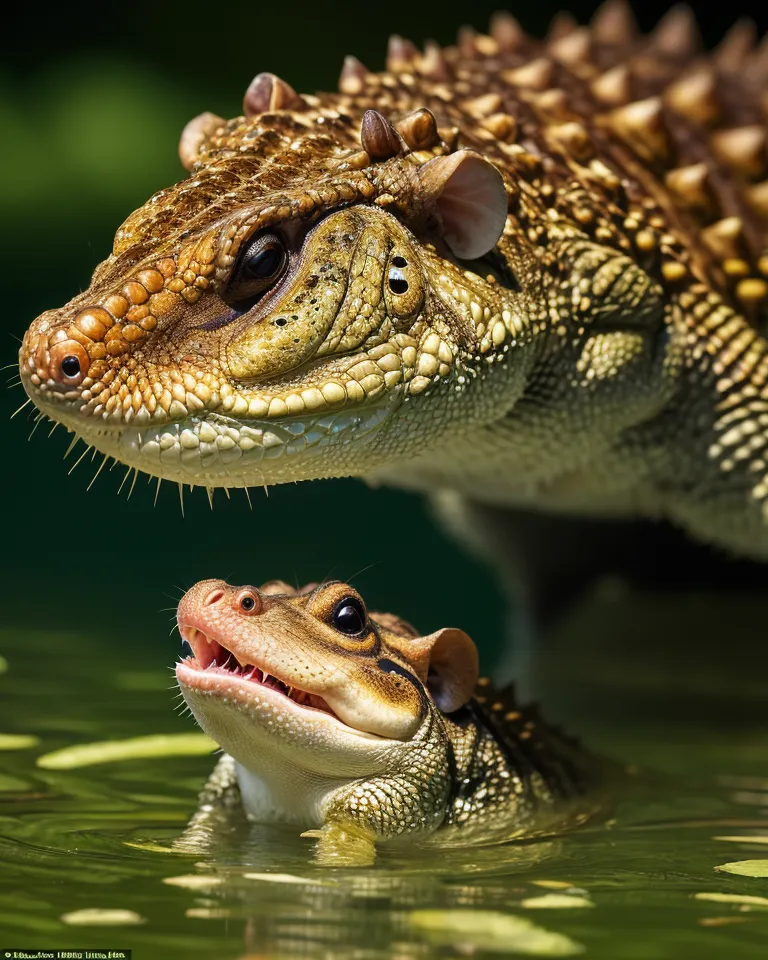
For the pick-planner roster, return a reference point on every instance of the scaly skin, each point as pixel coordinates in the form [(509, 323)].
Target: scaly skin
[(356, 728), (584, 340)]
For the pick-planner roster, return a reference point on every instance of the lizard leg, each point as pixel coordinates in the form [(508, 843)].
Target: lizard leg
[(343, 845)]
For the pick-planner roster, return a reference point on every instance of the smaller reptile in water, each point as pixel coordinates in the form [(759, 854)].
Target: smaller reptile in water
[(356, 729)]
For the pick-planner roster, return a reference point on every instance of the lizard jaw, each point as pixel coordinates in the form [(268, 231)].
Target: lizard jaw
[(219, 450)]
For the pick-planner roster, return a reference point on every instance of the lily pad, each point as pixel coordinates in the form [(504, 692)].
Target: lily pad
[(288, 878), (745, 868), (138, 748), (492, 931), (18, 741), (744, 839), (150, 847), (94, 917), (556, 901), (193, 881), (742, 899)]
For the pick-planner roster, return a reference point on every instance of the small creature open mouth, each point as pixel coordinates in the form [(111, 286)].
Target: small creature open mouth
[(210, 656)]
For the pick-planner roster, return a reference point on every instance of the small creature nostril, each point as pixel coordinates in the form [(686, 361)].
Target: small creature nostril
[(214, 596)]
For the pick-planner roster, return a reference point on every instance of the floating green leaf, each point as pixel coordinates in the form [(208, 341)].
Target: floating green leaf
[(95, 917), (745, 868), (138, 748), (492, 931), (288, 878), (193, 881), (556, 901), (18, 741), (744, 839), (740, 898)]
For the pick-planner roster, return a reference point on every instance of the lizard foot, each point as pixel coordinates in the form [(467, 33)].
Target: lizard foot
[(343, 846)]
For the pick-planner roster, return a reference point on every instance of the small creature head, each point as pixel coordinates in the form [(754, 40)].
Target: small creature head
[(312, 680)]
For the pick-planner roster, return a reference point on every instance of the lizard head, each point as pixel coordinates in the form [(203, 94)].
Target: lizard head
[(311, 681), (314, 275)]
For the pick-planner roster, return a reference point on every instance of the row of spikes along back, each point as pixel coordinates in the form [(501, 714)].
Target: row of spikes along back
[(690, 126)]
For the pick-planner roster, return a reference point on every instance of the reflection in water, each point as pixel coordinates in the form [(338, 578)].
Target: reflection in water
[(102, 837)]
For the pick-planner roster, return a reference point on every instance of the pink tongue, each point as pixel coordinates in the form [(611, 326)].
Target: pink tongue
[(206, 651)]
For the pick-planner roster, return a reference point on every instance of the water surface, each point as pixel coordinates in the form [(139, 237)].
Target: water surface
[(100, 837)]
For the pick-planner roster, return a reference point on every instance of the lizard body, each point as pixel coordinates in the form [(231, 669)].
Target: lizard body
[(354, 727), (531, 272)]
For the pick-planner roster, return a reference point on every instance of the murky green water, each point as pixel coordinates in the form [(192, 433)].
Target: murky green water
[(99, 837)]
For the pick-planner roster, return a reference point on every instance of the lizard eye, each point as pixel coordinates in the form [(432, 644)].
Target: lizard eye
[(349, 617), (248, 602), (261, 263)]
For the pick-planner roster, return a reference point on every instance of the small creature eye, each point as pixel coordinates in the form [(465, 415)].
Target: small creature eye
[(70, 367), (349, 617), (261, 263), (247, 603)]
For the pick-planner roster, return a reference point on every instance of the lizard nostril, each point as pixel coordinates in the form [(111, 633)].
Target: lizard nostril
[(214, 596)]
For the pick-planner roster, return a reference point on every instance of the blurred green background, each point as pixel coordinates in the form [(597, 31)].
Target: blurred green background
[(92, 100)]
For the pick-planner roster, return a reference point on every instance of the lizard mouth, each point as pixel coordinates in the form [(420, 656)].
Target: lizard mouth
[(210, 656)]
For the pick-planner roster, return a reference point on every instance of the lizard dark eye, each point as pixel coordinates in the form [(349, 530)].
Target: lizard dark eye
[(261, 263), (70, 366), (248, 602), (349, 617)]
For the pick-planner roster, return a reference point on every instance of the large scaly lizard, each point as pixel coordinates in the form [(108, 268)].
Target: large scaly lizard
[(531, 272)]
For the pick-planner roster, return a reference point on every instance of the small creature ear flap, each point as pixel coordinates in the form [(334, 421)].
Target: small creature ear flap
[(466, 194), (452, 667)]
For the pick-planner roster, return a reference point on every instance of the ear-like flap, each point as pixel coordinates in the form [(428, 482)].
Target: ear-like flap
[(453, 668), (466, 194)]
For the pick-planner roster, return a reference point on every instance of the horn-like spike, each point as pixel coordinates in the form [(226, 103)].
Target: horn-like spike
[(736, 46), (614, 87), (268, 92), (419, 129), (561, 25), (483, 106), (572, 138), (465, 41), (353, 76), (378, 137), (433, 64), (742, 148), (507, 32), (196, 132), (401, 54), (694, 96), (501, 125), (614, 23), (725, 238), (641, 125), (757, 198), (574, 47), (536, 75), (690, 186), (677, 34), (758, 62)]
